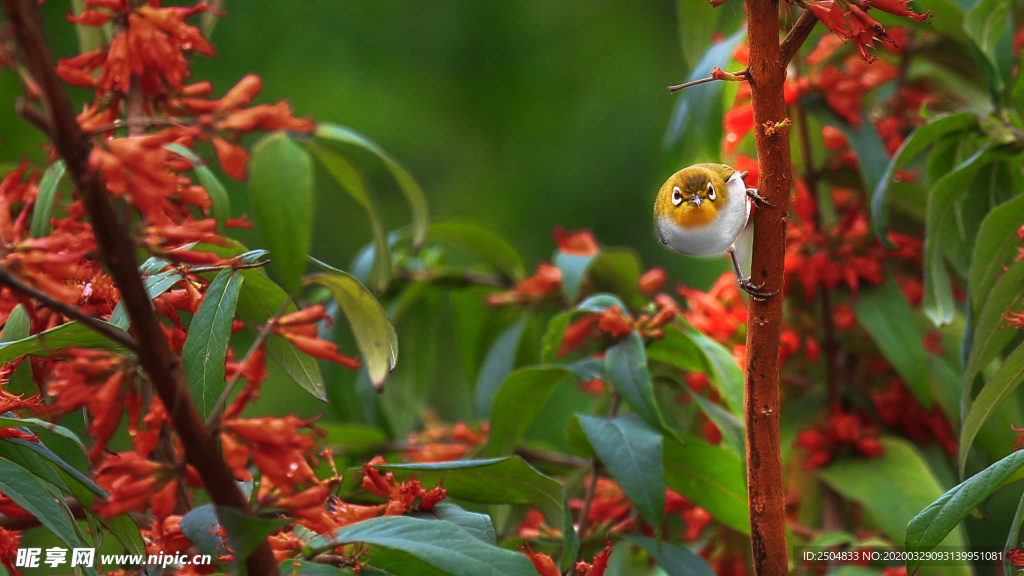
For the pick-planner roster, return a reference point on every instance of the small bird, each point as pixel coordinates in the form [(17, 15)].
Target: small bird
[(702, 209)]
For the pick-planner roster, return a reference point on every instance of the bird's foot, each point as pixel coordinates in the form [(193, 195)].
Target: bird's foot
[(758, 199), (755, 290)]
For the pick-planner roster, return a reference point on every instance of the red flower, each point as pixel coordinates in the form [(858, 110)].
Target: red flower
[(300, 329), (9, 543), (546, 280), (580, 243), (652, 280), (831, 14), (614, 322), (543, 563), (900, 8)]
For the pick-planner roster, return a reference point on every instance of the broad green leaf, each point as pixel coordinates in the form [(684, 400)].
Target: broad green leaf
[(517, 404), (507, 480), (940, 518), (889, 320), (42, 212), (728, 424), (496, 366), (674, 560), (42, 462), (997, 390), (677, 349), (985, 24), (574, 270), (412, 191), (483, 242), (18, 325), (220, 207), (632, 453), (556, 328), (70, 335), (916, 143), (29, 492), (9, 421), (244, 533), (155, 285), (991, 250), (206, 345), (696, 122), (375, 336), (348, 176), (443, 545), (618, 271), (282, 202), (626, 369), (259, 299), (476, 525), (989, 339), (711, 477), (942, 202), (725, 373), (892, 488)]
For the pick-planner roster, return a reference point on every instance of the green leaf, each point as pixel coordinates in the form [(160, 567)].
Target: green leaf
[(8, 421), (728, 424), (476, 525), (517, 404), (244, 533), (674, 560), (991, 250), (206, 345), (626, 369), (942, 204), (985, 24), (556, 328), (30, 493), (632, 453), (889, 320), (155, 285), (259, 299), (989, 339), (348, 176), (574, 270), (282, 202), (996, 391), (18, 325), (721, 366), (677, 349), (711, 477), (892, 488), (443, 545), (42, 212), (70, 335), (41, 461), (496, 366), (483, 242), (412, 191), (220, 207), (929, 528), (375, 336), (916, 143), (1013, 537)]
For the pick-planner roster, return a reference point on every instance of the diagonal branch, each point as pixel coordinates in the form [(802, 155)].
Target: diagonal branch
[(118, 254), (14, 283)]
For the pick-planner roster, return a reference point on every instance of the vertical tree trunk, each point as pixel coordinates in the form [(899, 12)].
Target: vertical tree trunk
[(767, 73)]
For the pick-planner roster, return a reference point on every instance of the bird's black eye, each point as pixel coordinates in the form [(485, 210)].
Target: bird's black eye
[(711, 192), (677, 196)]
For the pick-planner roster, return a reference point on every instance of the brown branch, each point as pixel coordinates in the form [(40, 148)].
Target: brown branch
[(32, 114), (94, 324), (765, 495), (118, 254), (787, 48)]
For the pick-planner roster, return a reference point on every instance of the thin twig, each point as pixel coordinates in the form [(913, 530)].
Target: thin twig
[(117, 252), (788, 48), (201, 269), (261, 337), (94, 324), (31, 113)]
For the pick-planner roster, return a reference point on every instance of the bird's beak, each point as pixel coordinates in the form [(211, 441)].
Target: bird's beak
[(696, 200)]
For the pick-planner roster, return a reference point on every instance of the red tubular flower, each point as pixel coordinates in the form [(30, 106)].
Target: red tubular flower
[(546, 280), (579, 243), (614, 322), (1013, 319), (10, 540), (652, 280), (900, 8), (738, 122), (600, 563), (831, 14), (300, 329), (576, 333), (543, 563)]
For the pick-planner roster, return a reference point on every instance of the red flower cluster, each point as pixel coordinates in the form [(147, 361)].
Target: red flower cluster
[(546, 566), (440, 442), (855, 24), (843, 431), (899, 409)]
